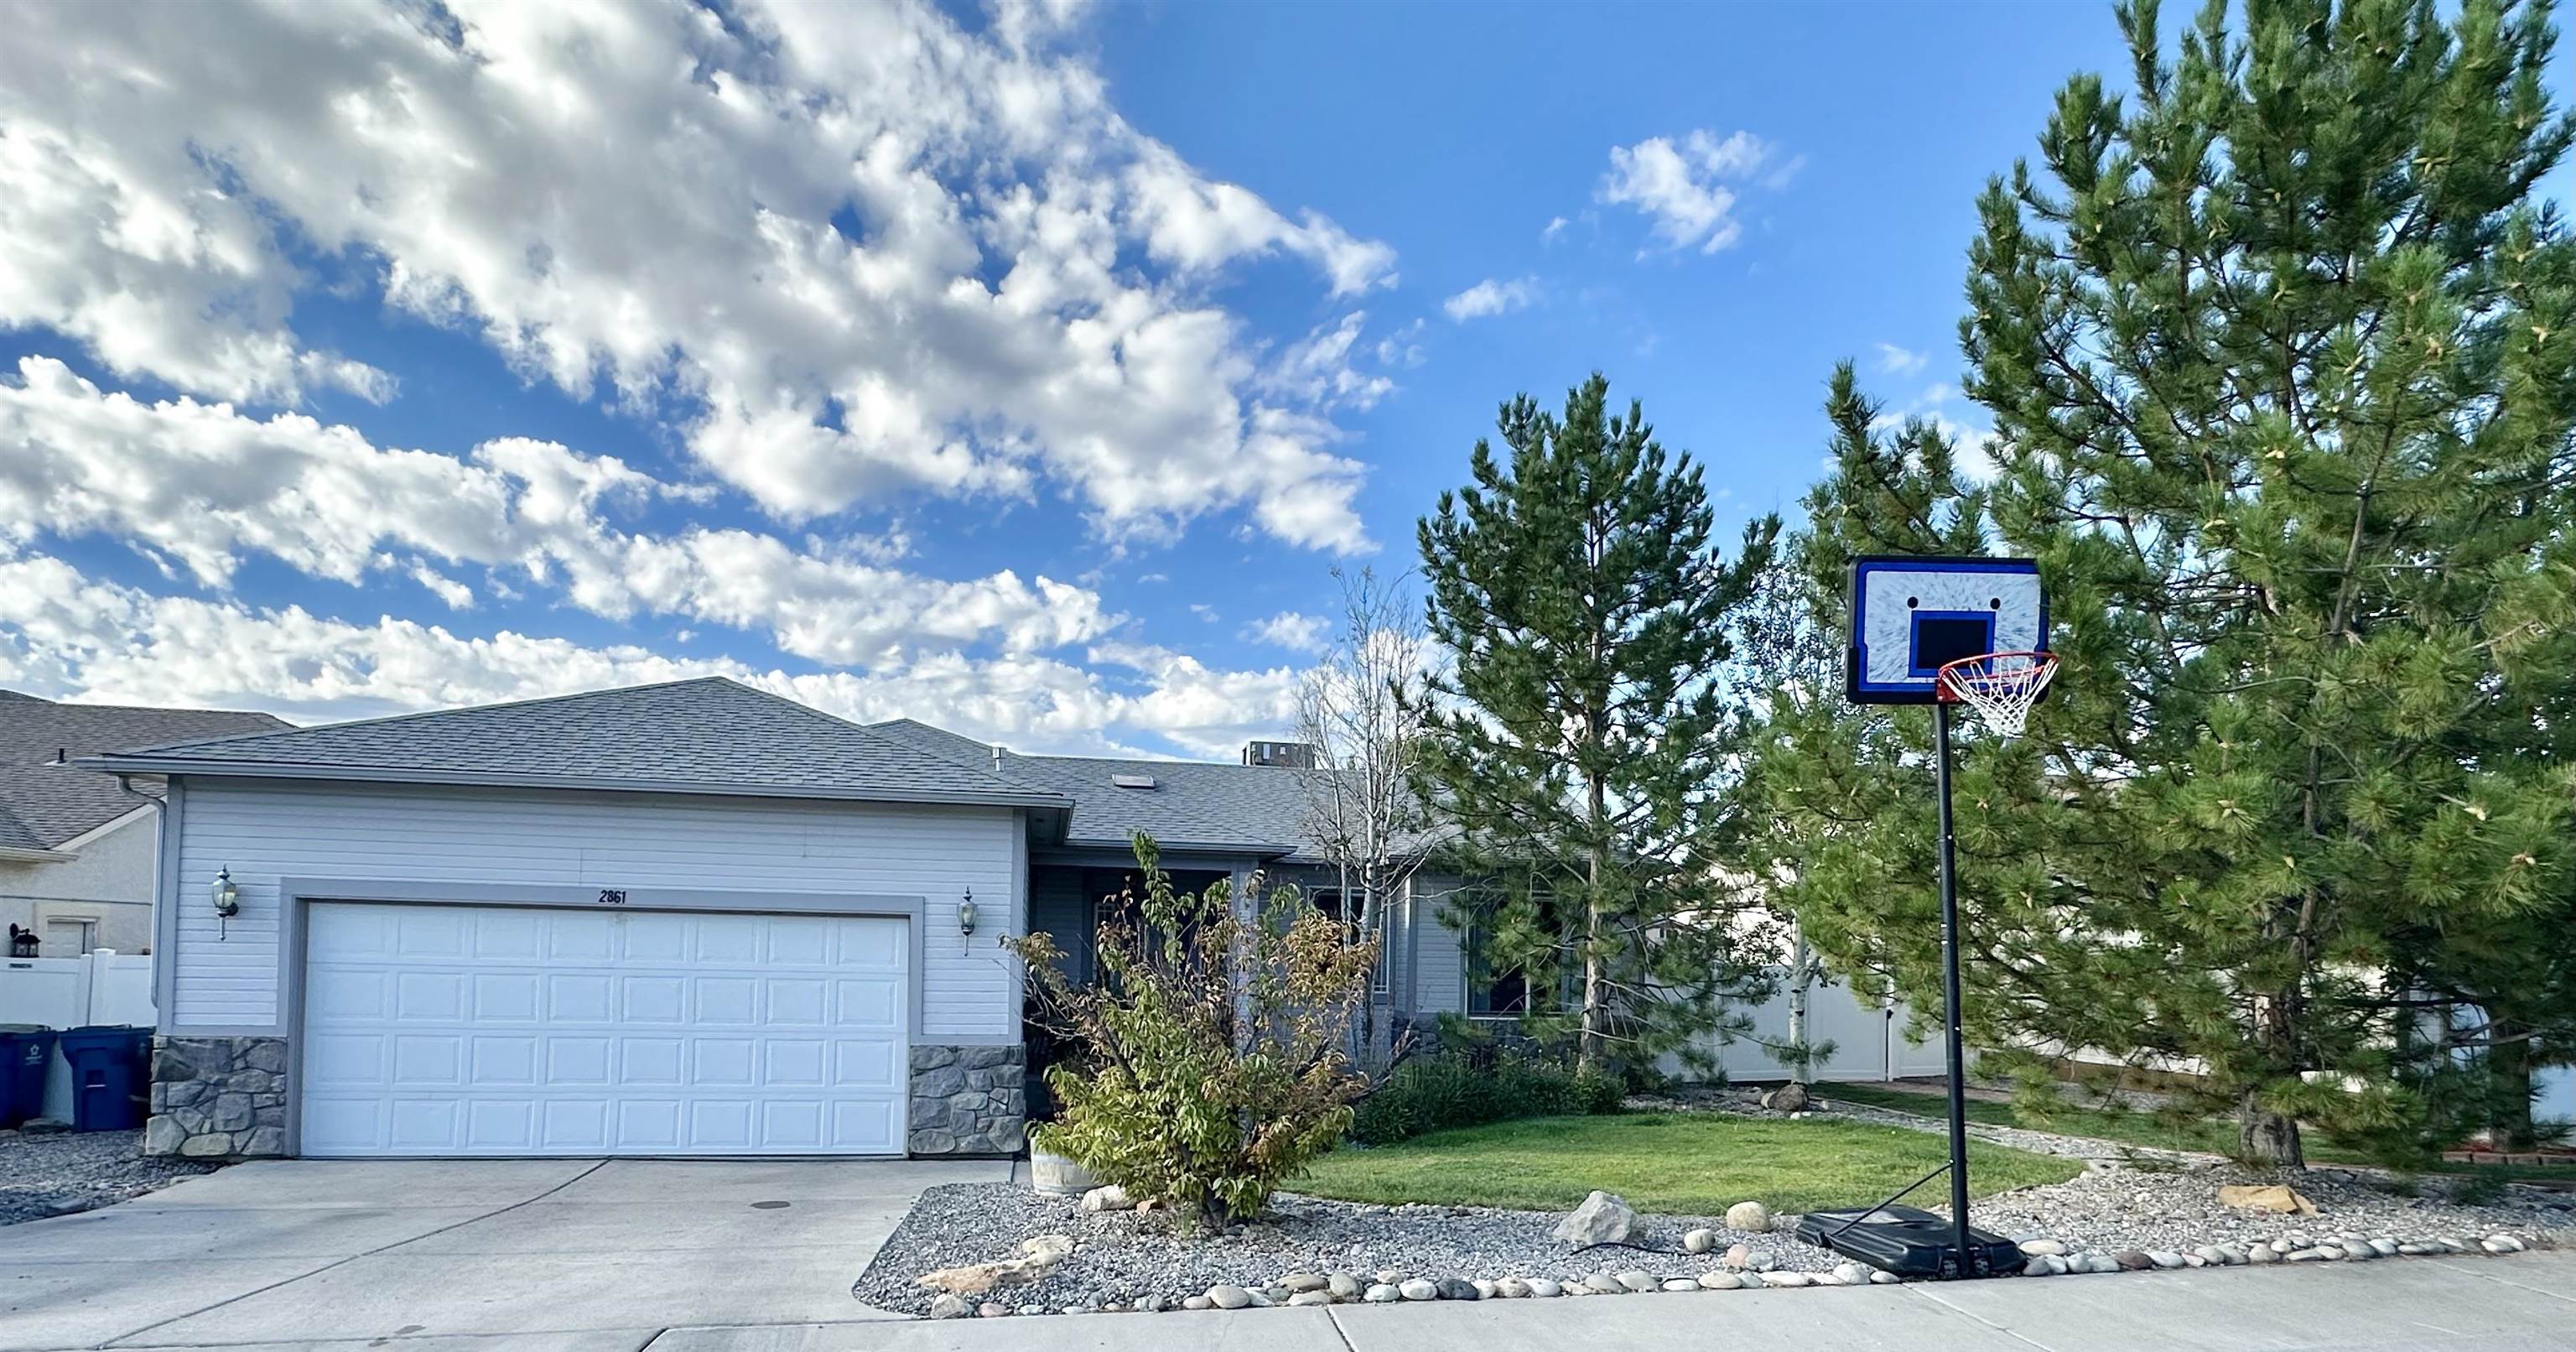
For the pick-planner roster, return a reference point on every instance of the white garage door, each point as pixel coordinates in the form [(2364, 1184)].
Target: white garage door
[(482, 1030)]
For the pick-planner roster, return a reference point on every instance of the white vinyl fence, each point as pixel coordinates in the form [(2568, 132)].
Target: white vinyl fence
[(1868, 1034), (103, 988)]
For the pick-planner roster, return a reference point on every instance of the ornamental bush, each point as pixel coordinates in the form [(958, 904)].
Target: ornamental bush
[(1207, 1060), (1437, 1093)]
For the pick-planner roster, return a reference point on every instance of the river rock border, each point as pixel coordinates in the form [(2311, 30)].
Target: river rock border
[(217, 1097), (2047, 1258), (967, 1100)]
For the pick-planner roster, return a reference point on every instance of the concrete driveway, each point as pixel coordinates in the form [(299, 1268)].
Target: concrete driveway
[(573, 1254)]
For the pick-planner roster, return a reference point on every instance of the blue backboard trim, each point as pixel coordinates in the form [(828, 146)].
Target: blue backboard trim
[(1917, 689)]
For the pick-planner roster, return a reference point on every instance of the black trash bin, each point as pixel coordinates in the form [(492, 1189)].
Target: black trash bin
[(110, 1076), (26, 1051)]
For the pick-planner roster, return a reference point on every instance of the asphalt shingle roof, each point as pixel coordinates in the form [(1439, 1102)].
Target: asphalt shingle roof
[(707, 735), (42, 803), (1192, 803)]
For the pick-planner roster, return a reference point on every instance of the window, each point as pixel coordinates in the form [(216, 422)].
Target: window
[(1510, 992), (1493, 995), (68, 937), (1331, 902)]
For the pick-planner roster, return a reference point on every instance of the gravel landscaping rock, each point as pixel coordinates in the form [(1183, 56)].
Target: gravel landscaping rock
[(2152, 1217), (57, 1174)]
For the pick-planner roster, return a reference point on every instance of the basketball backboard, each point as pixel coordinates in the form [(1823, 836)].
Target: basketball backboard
[(1912, 613)]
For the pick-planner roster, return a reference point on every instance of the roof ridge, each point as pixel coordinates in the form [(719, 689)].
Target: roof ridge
[(876, 736), (564, 698), (988, 748)]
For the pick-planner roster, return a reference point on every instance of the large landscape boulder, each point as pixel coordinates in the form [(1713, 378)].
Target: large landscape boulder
[(2272, 1198), (1604, 1218), (1749, 1218), (1037, 1257)]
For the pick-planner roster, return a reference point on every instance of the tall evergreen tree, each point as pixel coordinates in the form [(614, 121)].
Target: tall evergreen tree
[(1577, 737), (2280, 353)]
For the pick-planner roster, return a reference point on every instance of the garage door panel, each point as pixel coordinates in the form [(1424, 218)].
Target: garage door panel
[(579, 936), (448, 1030), (577, 1061), (652, 1062), (431, 932), (429, 997), (348, 993), (504, 1125), (505, 997), (505, 1059), (508, 936), (868, 1064), (423, 1059), (867, 1128), (578, 998), (868, 1002), (797, 1002), (792, 1064)]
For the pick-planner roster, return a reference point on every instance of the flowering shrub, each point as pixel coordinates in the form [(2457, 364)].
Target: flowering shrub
[(1208, 1058)]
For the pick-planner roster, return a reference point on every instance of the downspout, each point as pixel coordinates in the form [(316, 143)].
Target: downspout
[(160, 886)]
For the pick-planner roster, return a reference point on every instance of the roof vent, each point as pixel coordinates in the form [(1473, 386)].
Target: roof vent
[(1131, 781)]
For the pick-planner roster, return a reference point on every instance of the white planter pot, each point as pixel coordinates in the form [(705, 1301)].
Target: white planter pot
[(1057, 1175)]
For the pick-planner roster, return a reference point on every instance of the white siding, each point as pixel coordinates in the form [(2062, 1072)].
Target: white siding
[(1438, 967), (227, 973)]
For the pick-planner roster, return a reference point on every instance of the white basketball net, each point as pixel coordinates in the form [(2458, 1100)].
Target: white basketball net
[(2001, 687)]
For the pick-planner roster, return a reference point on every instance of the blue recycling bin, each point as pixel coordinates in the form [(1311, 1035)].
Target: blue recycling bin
[(26, 1051), (110, 1076)]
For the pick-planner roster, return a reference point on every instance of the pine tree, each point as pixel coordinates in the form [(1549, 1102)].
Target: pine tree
[(2280, 353), (1576, 739)]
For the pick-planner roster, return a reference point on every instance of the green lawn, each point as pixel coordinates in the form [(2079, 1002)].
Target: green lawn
[(1674, 1163), (2210, 1135)]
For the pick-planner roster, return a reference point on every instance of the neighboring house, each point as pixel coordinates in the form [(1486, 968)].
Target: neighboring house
[(76, 848), (690, 918)]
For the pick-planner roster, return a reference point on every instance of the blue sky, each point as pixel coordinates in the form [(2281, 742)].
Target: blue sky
[(357, 366)]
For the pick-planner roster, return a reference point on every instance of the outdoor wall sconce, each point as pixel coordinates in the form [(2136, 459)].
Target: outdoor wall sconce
[(966, 914), (227, 900)]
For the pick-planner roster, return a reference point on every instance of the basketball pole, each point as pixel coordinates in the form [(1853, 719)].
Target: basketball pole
[(1950, 992)]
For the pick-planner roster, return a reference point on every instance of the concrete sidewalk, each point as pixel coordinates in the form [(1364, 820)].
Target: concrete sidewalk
[(758, 1256), (2525, 1303)]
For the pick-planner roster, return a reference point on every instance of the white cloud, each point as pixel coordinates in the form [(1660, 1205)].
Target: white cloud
[(1316, 370), (854, 252), (1972, 447), (205, 485), (1555, 226), (1491, 297), (1900, 361), (62, 634), (1684, 188), (1294, 630)]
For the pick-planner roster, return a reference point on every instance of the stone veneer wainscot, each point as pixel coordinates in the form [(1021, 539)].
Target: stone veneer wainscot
[(217, 1097), (967, 1101)]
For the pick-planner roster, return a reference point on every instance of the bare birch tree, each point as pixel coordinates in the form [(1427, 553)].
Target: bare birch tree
[(1359, 708)]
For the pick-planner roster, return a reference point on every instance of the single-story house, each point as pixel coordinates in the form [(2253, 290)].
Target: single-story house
[(77, 849), (690, 918)]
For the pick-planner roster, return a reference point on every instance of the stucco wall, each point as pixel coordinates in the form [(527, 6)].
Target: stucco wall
[(108, 881)]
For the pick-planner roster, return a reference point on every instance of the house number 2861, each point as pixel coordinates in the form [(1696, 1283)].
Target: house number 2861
[(612, 896)]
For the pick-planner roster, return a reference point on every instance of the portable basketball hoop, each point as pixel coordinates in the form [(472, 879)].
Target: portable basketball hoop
[(2001, 687), (1943, 632)]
